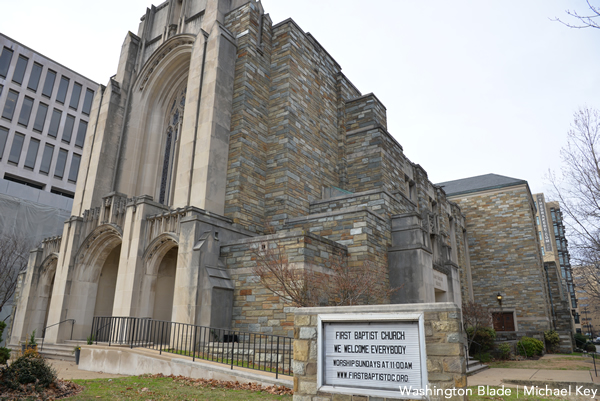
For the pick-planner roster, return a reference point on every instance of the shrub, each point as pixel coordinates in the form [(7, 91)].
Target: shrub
[(484, 337), (4, 352), (32, 341), (29, 369), (590, 348), (485, 357), (580, 340), (504, 351), (530, 346), (552, 340)]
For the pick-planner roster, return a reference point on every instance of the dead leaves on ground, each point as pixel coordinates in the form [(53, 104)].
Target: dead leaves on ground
[(229, 385)]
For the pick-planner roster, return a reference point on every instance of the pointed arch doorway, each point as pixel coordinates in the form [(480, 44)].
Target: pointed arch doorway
[(164, 289)]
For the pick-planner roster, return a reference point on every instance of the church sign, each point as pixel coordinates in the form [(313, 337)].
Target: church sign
[(371, 354)]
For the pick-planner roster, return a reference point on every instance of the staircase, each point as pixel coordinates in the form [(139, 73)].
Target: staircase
[(63, 352), (474, 366)]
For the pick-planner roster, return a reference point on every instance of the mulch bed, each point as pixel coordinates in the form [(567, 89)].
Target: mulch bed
[(58, 390)]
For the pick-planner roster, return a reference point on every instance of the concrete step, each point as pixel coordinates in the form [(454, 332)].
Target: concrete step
[(62, 352), (474, 366)]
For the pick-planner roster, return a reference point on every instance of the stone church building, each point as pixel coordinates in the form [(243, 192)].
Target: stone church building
[(220, 132)]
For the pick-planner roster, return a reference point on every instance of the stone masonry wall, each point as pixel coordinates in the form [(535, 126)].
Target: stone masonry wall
[(366, 235), (255, 308), (505, 255), (446, 364), (303, 124), (246, 168)]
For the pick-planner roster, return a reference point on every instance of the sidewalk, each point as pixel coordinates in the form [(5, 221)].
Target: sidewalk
[(514, 377)]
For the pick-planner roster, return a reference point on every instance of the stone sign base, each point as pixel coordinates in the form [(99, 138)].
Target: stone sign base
[(444, 350)]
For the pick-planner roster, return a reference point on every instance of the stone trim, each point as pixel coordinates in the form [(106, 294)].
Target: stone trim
[(349, 210), (365, 96), (286, 235), (382, 128), (355, 195)]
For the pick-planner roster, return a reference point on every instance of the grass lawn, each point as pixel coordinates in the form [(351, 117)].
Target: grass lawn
[(553, 362), (165, 388)]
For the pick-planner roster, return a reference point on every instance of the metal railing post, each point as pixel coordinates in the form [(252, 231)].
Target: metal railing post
[(194, 345), (231, 338), (277, 361), (161, 337)]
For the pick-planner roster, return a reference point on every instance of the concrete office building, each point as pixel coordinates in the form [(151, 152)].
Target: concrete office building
[(218, 127), (44, 112), (557, 264)]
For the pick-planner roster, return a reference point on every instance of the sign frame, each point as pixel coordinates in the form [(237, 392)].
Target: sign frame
[(370, 318)]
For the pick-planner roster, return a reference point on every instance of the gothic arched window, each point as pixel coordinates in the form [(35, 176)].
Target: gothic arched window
[(172, 130)]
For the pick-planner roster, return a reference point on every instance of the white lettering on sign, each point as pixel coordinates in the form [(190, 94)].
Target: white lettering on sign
[(377, 355)]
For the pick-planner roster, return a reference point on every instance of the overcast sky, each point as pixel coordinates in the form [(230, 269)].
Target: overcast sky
[(471, 87)]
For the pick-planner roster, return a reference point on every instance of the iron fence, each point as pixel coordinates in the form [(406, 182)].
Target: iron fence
[(266, 352)]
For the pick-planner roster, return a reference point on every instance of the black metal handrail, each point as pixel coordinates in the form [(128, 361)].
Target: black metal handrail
[(469, 351), (56, 324), (266, 352)]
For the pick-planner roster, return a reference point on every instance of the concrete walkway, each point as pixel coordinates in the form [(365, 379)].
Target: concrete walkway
[(497, 377)]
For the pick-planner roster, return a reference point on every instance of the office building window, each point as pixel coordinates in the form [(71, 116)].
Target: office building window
[(15, 150), (32, 152), (543, 252), (54, 123), (26, 111), (540, 234), (75, 95), (5, 59), (10, 105), (81, 133), (40, 117), (537, 220), (62, 90), (49, 83), (1, 87), (68, 129), (34, 78), (61, 192), (59, 171), (3, 137), (75, 161), (87, 101), (20, 69), (46, 159)]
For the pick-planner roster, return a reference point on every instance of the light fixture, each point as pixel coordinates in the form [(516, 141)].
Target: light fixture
[(499, 298)]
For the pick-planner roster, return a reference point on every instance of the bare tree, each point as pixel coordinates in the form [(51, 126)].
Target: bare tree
[(336, 284), (578, 190), (14, 250), (589, 20), (475, 317), (297, 286)]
